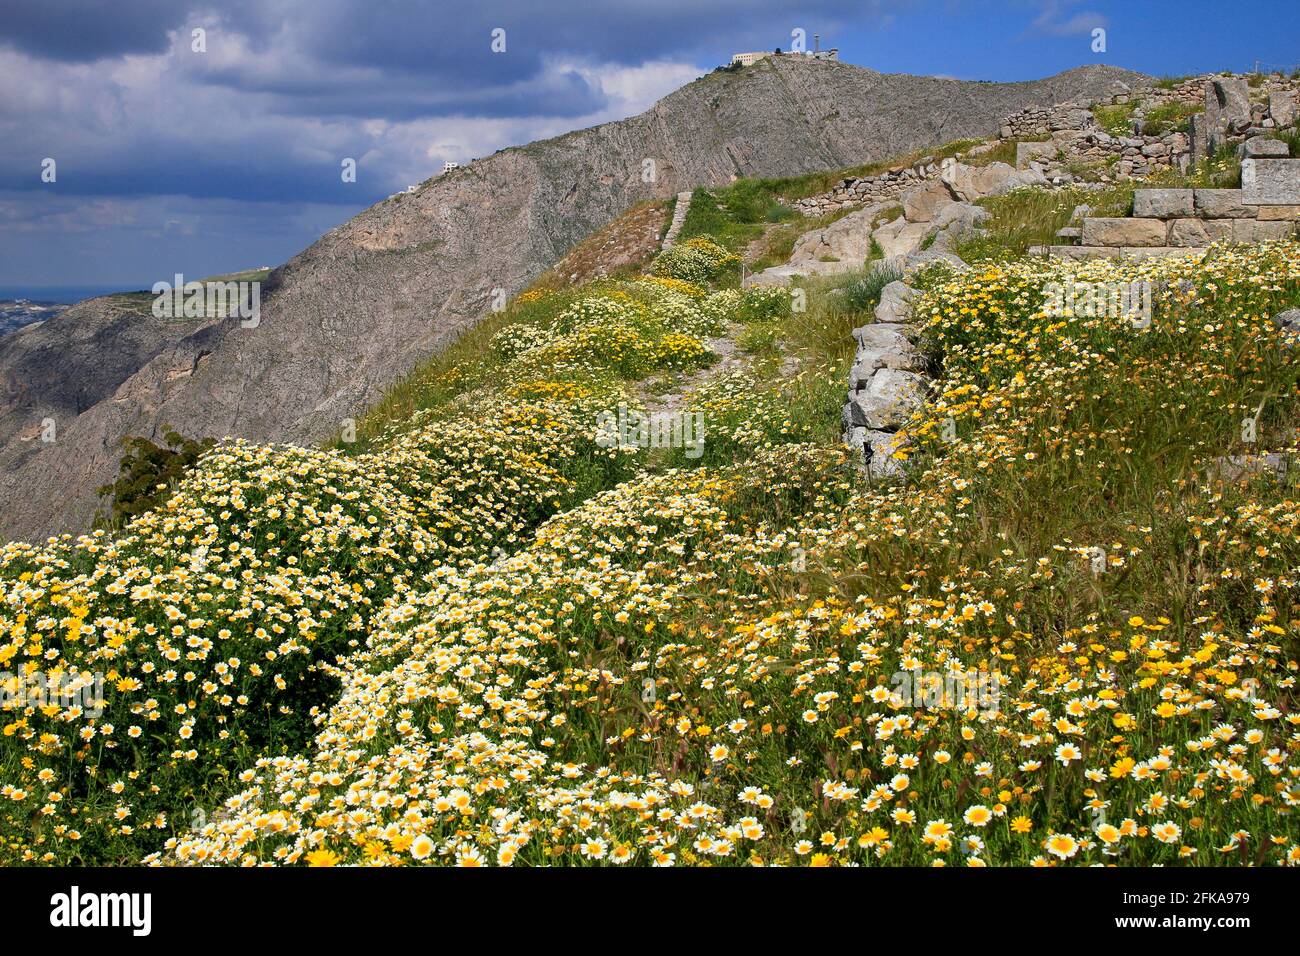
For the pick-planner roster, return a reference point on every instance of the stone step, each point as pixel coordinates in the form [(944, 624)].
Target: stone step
[(679, 219)]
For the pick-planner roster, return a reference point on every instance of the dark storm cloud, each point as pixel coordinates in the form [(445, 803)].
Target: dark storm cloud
[(86, 30)]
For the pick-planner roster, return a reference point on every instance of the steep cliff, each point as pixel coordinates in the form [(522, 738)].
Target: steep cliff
[(356, 310)]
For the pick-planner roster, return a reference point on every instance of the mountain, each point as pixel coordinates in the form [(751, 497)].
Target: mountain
[(360, 307)]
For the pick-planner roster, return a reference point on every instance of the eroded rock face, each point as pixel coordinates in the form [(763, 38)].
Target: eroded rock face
[(347, 317)]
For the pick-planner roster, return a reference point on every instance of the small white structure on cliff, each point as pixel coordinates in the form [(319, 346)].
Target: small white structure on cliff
[(816, 53)]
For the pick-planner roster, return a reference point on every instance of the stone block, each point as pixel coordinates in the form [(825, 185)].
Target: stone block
[(1222, 204), (1287, 213), (1123, 232), (1252, 230), (1161, 252), (1200, 232), (1270, 182), (1163, 203), (1281, 107), (1084, 252), (1027, 153), (1263, 147)]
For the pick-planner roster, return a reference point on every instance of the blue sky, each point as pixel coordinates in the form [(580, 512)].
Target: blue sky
[(172, 159)]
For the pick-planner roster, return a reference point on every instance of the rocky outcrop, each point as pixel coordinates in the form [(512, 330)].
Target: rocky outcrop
[(887, 384), (357, 310)]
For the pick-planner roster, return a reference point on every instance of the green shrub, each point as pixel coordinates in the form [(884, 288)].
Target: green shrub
[(148, 473)]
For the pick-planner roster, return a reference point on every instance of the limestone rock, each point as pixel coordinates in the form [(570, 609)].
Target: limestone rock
[(887, 400), (1200, 232), (895, 302), (920, 204), (877, 449), (969, 183), (1289, 213), (1123, 232), (1232, 468), (1027, 153), (916, 261), (1288, 321), (1255, 230), (1227, 107), (1263, 147), (845, 240), (896, 239), (1281, 107)]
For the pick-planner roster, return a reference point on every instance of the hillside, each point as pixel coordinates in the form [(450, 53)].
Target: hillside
[(357, 310), (494, 637)]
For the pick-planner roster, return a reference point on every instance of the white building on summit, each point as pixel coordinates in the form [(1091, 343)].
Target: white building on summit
[(816, 53)]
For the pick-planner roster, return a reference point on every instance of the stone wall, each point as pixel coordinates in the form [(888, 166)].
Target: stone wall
[(1046, 120), (864, 190), (1178, 221)]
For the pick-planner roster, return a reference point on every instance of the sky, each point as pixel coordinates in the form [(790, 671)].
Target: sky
[(220, 150)]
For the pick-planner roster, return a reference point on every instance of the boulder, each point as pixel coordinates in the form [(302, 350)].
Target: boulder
[(845, 240), (928, 257), (1123, 232), (1162, 203), (1222, 204), (1227, 107), (887, 401), (1236, 467), (1027, 153), (1281, 107), (900, 354), (1198, 140), (900, 237), (1288, 321), (895, 302), (960, 218), (920, 204), (877, 335), (969, 183)]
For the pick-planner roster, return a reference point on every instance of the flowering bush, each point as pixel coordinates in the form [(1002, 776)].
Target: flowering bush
[(698, 261)]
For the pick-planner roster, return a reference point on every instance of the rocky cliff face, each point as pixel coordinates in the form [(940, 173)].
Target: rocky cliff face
[(346, 317)]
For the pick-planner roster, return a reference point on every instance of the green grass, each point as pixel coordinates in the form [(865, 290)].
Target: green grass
[(1168, 117), (1116, 120)]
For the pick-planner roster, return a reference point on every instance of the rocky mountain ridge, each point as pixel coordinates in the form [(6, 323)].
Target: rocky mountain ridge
[(359, 308)]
